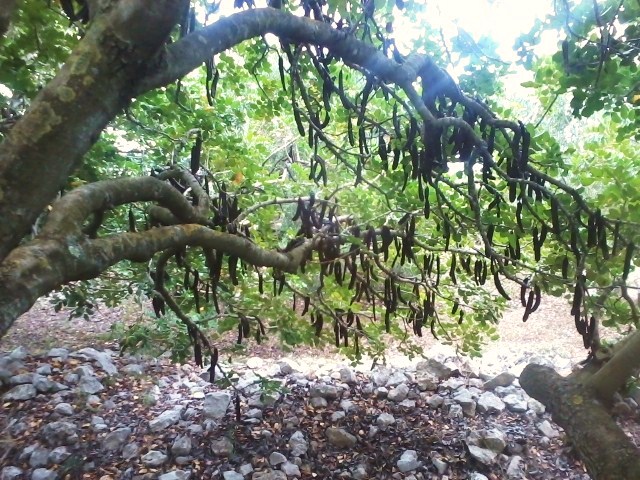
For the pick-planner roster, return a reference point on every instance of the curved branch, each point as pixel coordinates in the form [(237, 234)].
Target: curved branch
[(188, 53), (44, 264), (69, 212)]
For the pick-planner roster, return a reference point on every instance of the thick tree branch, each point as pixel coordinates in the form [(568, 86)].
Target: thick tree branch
[(69, 212), (44, 264), (188, 53), (6, 11), (615, 373), (608, 453), (67, 116)]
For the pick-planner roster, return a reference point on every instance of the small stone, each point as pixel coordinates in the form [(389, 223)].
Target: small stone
[(489, 402), (269, 475), (547, 430), (477, 476), (340, 437), (43, 384), (513, 469), (396, 378), (328, 392), (64, 409), (318, 402), (408, 461), (348, 376), (181, 446), (360, 473), (482, 455), (399, 393), (455, 411), (133, 369), (90, 385), (232, 475), (21, 379), (380, 376), (337, 416), (385, 419), (515, 403), (175, 475), (19, 353), (408, 403), (102, 358), (290, 469), (153, 458), (93, 401), (115, 440), (216, 404), (43, 474), (502, 380), (535, 406), (382, 392), (165, 420), (11, 473), (39, 457), (253, 413), (298, 444), (61, 353), (440, 465), (59, 433), (20, 393), (435, 401), (59, 455), (245, 469), (222, 447), (427, 381), (436, 368), (44, 369), (276, 458), (130, 450)]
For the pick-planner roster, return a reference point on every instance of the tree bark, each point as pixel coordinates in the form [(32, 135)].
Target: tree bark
[(6, 11), (68, 115), (607, 452)]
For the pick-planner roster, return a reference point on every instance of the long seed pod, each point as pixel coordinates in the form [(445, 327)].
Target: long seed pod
[(318, 325), (523, 294), (452, 270), (240, 333), (233, 269), (282, 74), (528, 309), (214, 364), (565, 267), (499, 287), (382, 152), (537, 294), (132, 221), (196, 152)]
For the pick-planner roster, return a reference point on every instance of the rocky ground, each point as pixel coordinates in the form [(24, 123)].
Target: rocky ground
[(83, 412), (91, 414)]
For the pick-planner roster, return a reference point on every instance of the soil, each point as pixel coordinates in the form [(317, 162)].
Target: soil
[(549, 333)]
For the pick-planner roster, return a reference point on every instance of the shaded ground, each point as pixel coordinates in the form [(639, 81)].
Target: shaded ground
[(549, 333)]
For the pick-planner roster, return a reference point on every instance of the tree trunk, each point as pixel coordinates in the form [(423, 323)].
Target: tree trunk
[(606, 450), (6, 10)]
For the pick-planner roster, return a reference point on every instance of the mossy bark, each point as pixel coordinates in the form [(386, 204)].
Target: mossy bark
[(603, 446)]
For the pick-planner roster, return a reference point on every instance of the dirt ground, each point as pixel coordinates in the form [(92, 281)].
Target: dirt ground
[(549, 333)]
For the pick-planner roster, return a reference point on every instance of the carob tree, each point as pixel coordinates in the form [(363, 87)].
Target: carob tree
[(513, 212)]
